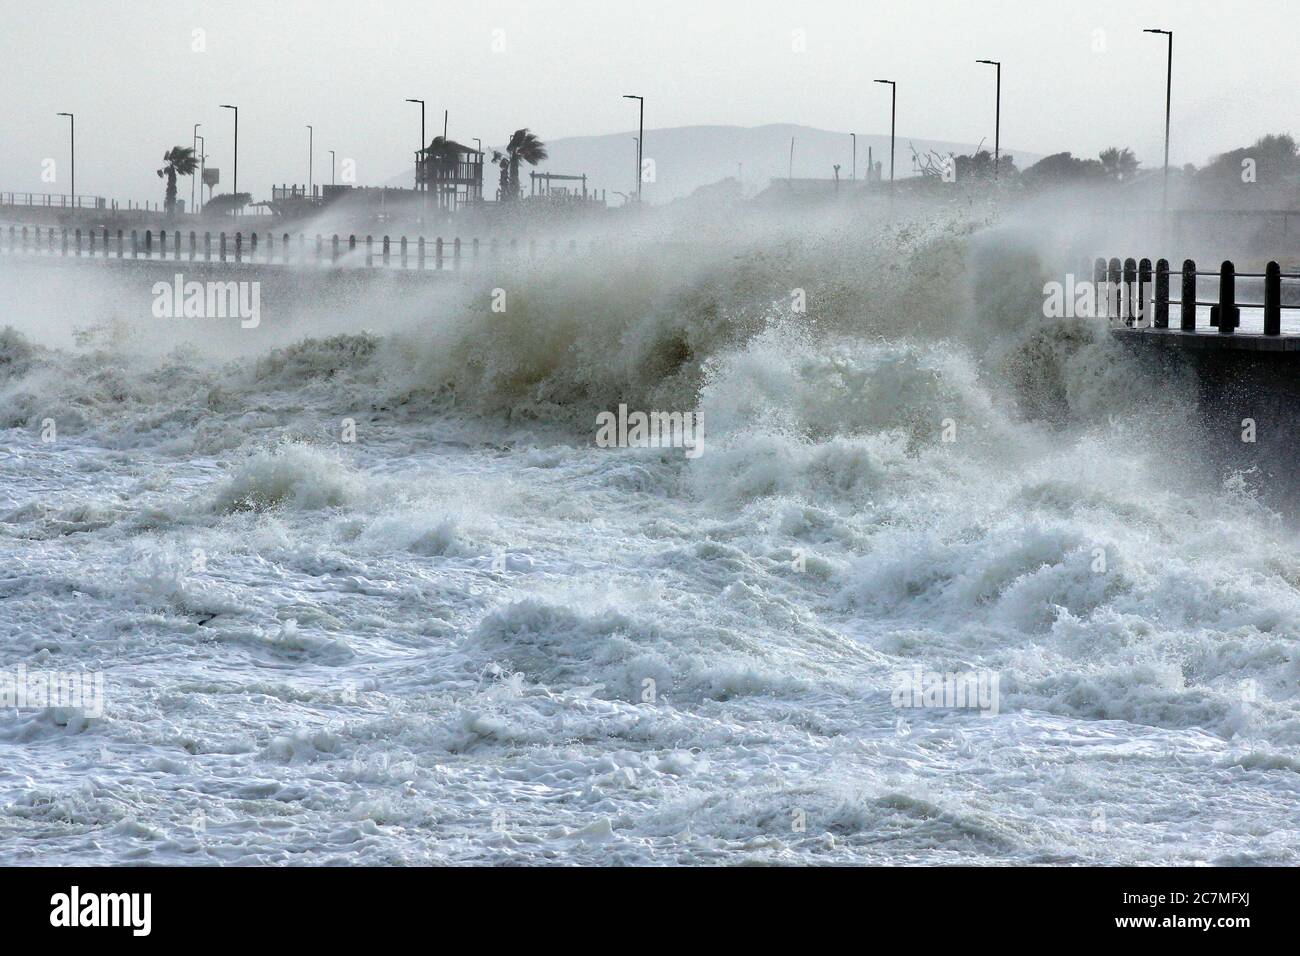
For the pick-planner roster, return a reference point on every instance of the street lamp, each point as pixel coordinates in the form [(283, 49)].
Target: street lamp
[(893, 113), (997, 127), (203, 164), (1169, 97), (235, 188), (196, 149), (332, 168), (422, 143), (639, 139), (311, 156), (72, 133)]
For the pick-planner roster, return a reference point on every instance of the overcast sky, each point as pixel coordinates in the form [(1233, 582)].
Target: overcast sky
[(1078, 76)]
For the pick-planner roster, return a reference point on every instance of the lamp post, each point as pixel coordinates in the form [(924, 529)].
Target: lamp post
[(332, 183), (72, 133), (997, 122), (196, 149), (639, 139), (893, 115), (422, 143), (1169, 98), (203, 164), (234, 189), (311, 156)]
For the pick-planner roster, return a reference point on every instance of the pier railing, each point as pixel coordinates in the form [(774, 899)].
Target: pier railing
[(283, 249), (1133, 285)]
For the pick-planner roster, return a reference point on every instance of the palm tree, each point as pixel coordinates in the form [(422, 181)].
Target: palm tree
[(1119, 163), (177, 161), (523, 146)]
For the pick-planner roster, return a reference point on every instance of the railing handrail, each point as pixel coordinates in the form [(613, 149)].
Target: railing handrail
[(1129, 283), (325, 251)]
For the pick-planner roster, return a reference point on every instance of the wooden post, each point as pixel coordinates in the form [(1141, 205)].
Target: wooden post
[(1187, 321), (148, 243), (437, 253), (192, 245), (285, 248), (1130, 290), (222, 246), (239, 246), (370, 251), (419, 253), (252, 247), (106, 242), (78, 242), (1162, 294), (334, 249), (1273, 299), (90, 233), (455, 253), (387, 251), (176, 245), (352, 243), (1229, 314), (402, 247), (207, 246), (1113, 276), (135, 247), (1144, 290), (120, 244)]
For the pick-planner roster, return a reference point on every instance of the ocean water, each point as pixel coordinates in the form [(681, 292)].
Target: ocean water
[(470, 635)]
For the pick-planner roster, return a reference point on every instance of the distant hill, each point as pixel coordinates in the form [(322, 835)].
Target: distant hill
[(687, 157)]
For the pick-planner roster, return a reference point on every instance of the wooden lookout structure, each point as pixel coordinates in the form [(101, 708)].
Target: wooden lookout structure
[(451, 171)]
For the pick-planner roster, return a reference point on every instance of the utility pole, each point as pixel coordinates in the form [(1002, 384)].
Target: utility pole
[(997, 127), (196, 149), (893, 115), (203, 164), (422, 142), (72, 133), (1169, 99), (311, 157), (235, 188), (640, 140)]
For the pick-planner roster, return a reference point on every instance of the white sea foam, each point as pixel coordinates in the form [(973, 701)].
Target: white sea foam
[(472, 635)]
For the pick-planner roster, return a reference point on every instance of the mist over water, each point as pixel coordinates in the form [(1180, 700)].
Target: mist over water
[(471, 635)]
